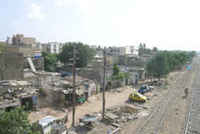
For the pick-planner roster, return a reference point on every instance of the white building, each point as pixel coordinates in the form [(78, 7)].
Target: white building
[(54, 47), (131, 50), (120, 51)]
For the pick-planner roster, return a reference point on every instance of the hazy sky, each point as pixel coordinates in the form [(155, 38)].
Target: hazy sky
[(167, 24)]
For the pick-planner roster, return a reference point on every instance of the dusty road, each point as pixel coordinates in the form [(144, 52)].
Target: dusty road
[(193, 118), (170, 113), (95, 103)]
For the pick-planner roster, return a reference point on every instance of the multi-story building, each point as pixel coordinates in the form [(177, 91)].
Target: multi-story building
[(42, 47), (131, 50), (54, 47), (120, 51), (19, 40)]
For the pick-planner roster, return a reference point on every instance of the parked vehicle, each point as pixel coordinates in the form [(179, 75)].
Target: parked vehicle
[(145, 88), (64, 74), (137, 97)]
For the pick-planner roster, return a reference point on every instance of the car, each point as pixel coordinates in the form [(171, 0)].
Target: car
[(137, 97), (145, 88), (64, 74)]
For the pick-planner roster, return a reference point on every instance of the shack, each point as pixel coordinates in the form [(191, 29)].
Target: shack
[(17, 93), (84, 89), (51, 125)]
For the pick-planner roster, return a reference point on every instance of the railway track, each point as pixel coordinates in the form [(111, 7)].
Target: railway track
[(155, 121), (192, 119)]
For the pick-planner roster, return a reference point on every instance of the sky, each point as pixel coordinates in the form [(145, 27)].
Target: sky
[(166, 24)]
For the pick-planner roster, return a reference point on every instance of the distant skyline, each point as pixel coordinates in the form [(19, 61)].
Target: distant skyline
[(166, 24)]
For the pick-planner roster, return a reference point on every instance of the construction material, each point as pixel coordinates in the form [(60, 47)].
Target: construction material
[(88, 121), (115, 131), (111, 116)]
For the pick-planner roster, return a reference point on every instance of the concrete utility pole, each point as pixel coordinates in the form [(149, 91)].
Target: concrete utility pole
[(104, 75), (74, 86)]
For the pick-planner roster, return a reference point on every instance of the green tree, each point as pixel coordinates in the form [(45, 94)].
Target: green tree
[(84, 54), (167, 61), (2, 47), (15, 122), (158, 66), (115, 70), (50, 61)]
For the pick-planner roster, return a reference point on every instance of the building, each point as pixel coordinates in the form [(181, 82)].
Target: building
[(130, 50), (42, 47), (54, 47), (29, 41), (120, 51), (15, 93), (11, 66), (20, 41)]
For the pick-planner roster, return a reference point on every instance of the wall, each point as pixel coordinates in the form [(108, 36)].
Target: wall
[(11, 66), (27, 52)]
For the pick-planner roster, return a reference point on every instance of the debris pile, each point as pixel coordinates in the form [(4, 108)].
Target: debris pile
[(11, 91), (122, 114)]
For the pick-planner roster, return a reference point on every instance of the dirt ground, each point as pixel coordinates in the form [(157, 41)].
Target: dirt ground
[(94, 104), (166, 107), (168, 114)]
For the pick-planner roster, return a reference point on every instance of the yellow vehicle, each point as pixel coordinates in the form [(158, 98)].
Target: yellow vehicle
[(137, 97)]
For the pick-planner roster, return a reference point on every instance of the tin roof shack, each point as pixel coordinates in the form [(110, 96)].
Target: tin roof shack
[(52, 125), (17, 93), (84, 89)]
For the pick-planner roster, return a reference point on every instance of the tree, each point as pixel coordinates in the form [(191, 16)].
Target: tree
[(167, 61), (2, 47), (155, 49), (115, 70), (84, 53), (50, 61), (15, 122), (158, 65)]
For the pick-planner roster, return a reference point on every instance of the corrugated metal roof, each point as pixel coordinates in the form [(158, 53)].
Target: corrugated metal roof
[(46, 120)]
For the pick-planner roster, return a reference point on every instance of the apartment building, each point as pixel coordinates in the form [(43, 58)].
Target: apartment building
[(54, 47), (120, 51), (19, 40)]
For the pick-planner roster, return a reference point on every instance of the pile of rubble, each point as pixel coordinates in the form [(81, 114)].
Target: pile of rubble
[(115, 118), (11, 91), (122, 114)]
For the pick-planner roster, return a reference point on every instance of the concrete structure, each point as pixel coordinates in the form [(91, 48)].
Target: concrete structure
[(20, 41), (26, 52), (17, 93), (11, 66), (42, 47), (54, 47), (34, 54), (131, 50), (119, 51)]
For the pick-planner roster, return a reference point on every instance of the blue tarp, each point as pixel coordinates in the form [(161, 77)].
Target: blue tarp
[(34, 99), (188, 67)]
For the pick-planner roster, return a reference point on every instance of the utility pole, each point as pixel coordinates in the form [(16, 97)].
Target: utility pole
[(74, 86), (104, 75)]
